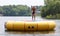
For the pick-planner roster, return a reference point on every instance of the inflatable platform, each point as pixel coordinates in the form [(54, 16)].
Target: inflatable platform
[(30, 26)]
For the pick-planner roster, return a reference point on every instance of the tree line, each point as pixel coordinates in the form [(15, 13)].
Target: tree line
[(15, 10)]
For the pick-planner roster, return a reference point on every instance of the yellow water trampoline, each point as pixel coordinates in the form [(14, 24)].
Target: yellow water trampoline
[(30, 26)]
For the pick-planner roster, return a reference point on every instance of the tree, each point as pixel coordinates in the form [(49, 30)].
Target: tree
[(52, 8)]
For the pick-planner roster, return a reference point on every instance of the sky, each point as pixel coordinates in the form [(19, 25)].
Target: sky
[(22, 2)]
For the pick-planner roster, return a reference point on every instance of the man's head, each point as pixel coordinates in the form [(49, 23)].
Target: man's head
[(33, 7)]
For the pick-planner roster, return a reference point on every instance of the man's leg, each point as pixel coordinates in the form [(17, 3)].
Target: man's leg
[(32, 16)]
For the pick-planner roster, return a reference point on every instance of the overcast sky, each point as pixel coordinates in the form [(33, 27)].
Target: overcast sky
[(22, 2)]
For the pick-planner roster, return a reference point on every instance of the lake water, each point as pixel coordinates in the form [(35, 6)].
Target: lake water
[(3, 19)]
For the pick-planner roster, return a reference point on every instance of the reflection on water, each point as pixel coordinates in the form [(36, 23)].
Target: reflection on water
[(30, 32), (55, 32)]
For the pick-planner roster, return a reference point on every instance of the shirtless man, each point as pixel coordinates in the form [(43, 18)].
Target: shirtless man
[(33, 12)]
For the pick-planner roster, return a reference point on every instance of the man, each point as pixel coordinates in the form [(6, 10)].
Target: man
[(33, 12)]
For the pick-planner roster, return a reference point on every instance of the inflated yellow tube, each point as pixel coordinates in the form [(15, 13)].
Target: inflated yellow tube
[(46, 25), (29, 26)]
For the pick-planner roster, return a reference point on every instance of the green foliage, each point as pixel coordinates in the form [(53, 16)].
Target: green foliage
[(52, 8), (15, 10)]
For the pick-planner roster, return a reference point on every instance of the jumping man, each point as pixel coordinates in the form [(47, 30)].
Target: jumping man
[(33, 12)]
